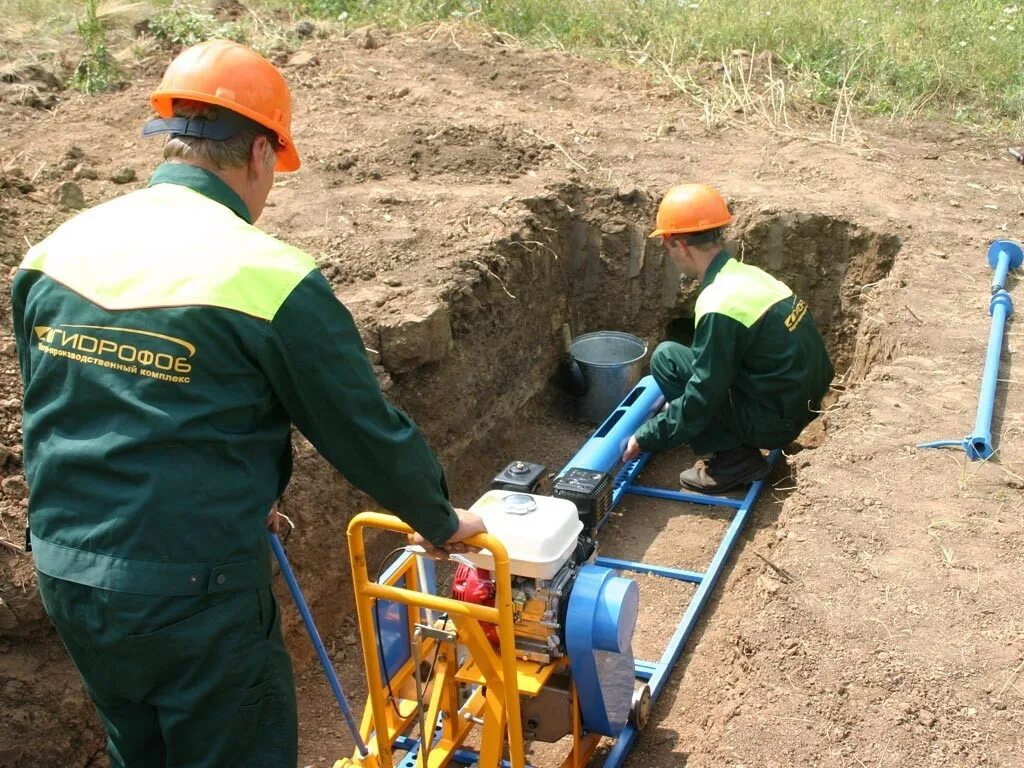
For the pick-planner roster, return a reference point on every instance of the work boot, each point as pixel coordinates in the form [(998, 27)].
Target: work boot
[(726, 470)]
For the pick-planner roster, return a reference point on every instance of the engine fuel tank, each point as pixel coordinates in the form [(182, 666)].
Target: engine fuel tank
[(539, 532)]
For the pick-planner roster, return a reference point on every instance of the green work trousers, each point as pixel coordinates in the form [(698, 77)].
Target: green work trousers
[(671, 367), (197, 681)]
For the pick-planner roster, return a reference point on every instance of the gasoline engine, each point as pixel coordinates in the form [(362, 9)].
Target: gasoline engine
[(564, 607)]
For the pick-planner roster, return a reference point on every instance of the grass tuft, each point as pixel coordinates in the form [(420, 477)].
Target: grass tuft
[(181, 26), (97, 71)]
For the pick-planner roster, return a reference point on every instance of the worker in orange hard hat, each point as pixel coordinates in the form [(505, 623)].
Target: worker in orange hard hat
[(758, 368), (220, 73), (167, 346)]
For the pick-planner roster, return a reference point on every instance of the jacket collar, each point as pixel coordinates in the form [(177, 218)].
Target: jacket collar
[(204, 182), (714, 268)]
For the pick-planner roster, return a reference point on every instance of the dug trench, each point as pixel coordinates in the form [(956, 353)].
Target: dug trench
[(478, 365), (581, 256)]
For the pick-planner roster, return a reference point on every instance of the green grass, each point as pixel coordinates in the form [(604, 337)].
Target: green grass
[(182, 26), (904, 59), (962, 59), (32, 11)]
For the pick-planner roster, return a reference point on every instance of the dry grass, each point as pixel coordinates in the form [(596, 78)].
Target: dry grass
[(745, 89), (751, 89)]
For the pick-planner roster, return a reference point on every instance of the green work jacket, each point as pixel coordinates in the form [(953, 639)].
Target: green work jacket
[(166, 346), (757, 352)]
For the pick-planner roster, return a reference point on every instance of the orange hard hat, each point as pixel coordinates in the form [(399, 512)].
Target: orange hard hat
[(235, 77), (691, 208)]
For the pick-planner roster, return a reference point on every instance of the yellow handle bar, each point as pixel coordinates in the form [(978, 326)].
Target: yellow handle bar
[(500, 615), (363, 585)]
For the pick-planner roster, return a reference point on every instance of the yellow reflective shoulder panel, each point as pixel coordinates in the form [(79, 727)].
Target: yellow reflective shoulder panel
[(169, 246), (742, 292)]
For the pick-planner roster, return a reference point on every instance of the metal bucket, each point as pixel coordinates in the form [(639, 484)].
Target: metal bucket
[(610, 362)]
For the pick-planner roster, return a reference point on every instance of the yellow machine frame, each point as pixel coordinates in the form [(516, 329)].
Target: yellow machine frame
[(498, 679)]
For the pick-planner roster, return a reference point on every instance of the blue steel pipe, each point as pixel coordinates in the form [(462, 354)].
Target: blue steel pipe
[(318, 645), (1003, 255), (979, 442), (605, 447)]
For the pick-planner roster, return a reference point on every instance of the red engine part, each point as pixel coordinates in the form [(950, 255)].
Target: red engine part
[(474, 585)]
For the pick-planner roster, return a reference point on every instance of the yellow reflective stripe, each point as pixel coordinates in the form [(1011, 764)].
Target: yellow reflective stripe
[(169, 246), (741, 292)]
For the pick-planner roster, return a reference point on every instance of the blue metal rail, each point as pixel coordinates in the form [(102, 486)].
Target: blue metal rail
[(656, 674), (601, 453), (654, 570), (411, 747)]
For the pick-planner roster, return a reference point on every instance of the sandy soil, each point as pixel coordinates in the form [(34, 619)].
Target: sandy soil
[(871, 614)]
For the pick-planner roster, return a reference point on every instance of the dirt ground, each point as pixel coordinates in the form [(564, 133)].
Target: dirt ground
[(467, 197)]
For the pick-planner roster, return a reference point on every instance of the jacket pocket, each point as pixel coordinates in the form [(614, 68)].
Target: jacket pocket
[(230, 619), (768, 430)]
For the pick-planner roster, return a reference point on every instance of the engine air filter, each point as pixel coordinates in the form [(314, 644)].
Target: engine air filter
[(590, 491)]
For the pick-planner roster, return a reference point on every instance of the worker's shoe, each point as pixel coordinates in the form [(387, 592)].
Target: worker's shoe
[(726, 470)]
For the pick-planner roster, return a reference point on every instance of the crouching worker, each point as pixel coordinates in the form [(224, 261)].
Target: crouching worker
[(166, 347), (758, 368)]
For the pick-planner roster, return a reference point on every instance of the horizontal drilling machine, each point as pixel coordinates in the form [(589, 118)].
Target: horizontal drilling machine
[(532, 641)]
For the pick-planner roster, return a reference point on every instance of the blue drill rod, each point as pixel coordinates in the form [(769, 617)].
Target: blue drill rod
[(318, 645)]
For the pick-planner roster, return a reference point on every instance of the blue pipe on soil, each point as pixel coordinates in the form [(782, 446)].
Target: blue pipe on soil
[(979, 442), (1003, 255), (314, 636)]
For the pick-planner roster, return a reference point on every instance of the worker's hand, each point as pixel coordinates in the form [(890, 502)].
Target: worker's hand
[(470, 524), (278, 522), (632, 450)]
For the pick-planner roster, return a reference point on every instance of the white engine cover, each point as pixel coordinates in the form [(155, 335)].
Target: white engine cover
[(539, 532)]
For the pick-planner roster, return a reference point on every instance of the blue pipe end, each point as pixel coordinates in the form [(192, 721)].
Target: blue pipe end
[(1013, 251), (978, 447)]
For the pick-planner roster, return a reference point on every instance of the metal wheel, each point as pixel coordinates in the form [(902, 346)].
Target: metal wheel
[(640, 710)]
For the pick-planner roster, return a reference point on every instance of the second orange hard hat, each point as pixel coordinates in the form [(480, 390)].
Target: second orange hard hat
[(691, 208), (233, 76)]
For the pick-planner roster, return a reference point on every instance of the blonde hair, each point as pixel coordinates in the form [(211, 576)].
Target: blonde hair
[(223, 155)]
